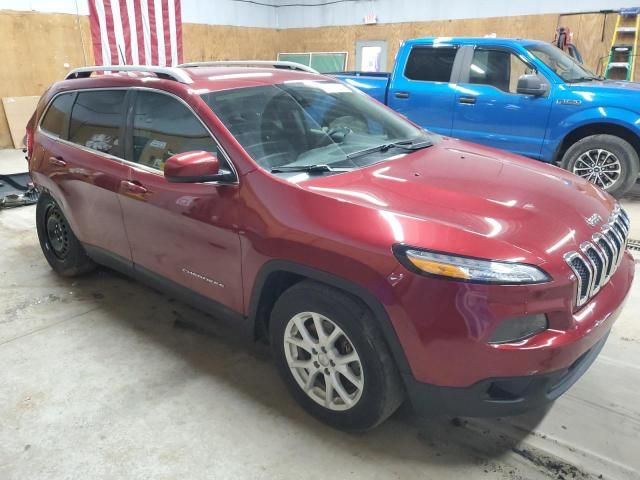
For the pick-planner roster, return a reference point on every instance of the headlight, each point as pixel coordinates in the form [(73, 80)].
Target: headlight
[(468, 269)]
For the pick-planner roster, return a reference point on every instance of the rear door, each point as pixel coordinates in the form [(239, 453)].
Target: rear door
[(488, 109), (79, 160), (184, 232), (425, 90)]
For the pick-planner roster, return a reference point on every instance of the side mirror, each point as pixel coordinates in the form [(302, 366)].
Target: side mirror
[(193, 167), (532, 85)]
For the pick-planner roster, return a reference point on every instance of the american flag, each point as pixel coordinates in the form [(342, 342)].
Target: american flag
[(136, 32)]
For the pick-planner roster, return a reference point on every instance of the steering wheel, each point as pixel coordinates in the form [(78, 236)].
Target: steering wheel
[(338, 133)]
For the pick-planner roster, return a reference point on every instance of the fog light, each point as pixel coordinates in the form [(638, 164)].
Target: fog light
[(519, 328)]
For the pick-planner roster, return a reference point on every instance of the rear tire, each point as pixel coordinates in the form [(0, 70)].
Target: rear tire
[(607, 161), (350, 377), (60, 246)]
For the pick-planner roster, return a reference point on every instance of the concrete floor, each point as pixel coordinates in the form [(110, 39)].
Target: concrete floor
[(101, 377)]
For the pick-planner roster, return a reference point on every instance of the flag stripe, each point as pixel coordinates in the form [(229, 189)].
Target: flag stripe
[(166, 31), (153, 32), (111, 36), (126, 30), (172, 33)]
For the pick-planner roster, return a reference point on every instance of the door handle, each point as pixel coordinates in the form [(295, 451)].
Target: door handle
[(467, 100), (401, 94), (133, 187), (57, 161)]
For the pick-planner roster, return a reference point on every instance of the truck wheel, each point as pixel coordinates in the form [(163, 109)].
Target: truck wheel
[(333, 358), (606, 161), (60, 246)]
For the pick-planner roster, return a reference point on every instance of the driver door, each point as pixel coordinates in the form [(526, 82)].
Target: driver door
[(182, 232), (490, 111)]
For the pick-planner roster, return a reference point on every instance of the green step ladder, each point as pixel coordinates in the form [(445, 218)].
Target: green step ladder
[(621, 61)]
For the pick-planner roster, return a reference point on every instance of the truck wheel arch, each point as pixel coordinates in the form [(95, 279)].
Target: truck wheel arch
[(594, 129), (275, 276)]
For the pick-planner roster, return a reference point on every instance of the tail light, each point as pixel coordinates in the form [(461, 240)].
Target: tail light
[(29, 141)]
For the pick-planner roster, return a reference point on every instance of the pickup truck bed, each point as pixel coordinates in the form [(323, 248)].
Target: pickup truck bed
[(375, 84)]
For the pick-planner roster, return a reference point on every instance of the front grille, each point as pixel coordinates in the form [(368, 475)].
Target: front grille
[(598, 259)]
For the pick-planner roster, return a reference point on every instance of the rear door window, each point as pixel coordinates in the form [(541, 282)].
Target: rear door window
[(55, 120), (97, 121), (430, 64), (162, 127)]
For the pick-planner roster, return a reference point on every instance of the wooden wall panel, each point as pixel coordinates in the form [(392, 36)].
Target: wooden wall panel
[(592, 34), (35, 46), (33, 49), (220, 42), (343, 38)]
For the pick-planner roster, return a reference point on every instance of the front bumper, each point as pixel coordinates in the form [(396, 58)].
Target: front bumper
[(501, 396)]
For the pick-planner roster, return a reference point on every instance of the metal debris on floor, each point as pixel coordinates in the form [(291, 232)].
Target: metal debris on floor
[(17, 190)]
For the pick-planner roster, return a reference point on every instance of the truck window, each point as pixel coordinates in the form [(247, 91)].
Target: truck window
[(498, 68), (96, 118), (430, 64), (55, 119)]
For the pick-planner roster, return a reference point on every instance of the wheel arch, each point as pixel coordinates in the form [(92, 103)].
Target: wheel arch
[(596, 128), (278, 275)]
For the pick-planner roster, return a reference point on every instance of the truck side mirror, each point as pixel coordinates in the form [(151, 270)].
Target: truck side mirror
[(532, 84)]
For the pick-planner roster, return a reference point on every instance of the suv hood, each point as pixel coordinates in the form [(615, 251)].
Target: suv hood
[(460, 197)]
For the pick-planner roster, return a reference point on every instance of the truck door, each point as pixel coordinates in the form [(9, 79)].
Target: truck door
[(422, 88), (488, 109)]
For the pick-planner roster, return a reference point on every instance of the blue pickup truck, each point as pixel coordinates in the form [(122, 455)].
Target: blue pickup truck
[(524, 96)]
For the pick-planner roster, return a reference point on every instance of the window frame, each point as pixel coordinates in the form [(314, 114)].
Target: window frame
[(455, 67), (466, 67), (126, 126)]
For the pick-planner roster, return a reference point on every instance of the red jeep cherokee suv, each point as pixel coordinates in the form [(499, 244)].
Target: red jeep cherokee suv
[(379, 260)]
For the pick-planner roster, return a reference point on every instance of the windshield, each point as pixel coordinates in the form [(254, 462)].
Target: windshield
[(300, 124), (562, 64)]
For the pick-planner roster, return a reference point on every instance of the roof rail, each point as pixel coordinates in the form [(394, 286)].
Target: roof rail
[(168, 73), (262, 63)]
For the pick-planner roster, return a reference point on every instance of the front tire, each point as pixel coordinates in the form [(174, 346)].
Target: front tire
[(607, 161), (60, 246), (333, 358)]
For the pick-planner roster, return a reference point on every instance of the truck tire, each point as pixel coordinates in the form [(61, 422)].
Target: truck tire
[(60, 246), (607, 161), (333, 358)]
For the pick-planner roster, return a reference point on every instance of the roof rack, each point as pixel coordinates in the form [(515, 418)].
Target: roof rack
[(168, 73), (262, 63)]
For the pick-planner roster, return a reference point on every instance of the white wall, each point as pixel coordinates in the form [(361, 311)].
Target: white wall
[(212, 12), (276, 14), (393, 11)]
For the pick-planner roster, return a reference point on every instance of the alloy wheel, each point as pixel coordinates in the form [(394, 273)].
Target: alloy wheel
[(599, 166), (323, 361)]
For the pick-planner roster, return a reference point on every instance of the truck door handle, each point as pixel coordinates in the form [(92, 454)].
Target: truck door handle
[(57, 161), (401, 94), (133, 187), (467, 100)]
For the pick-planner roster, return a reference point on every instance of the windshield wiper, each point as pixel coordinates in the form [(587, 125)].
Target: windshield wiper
[(403, 144), (319, 168), (582, 79)]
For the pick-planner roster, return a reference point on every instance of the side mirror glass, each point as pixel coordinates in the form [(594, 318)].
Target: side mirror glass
[(532, 84), (194, 167)]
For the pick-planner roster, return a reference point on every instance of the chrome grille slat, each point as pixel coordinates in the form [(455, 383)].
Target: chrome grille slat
[(597, 260)]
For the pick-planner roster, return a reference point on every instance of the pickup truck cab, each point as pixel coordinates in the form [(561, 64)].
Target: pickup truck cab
[(524, 96)]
